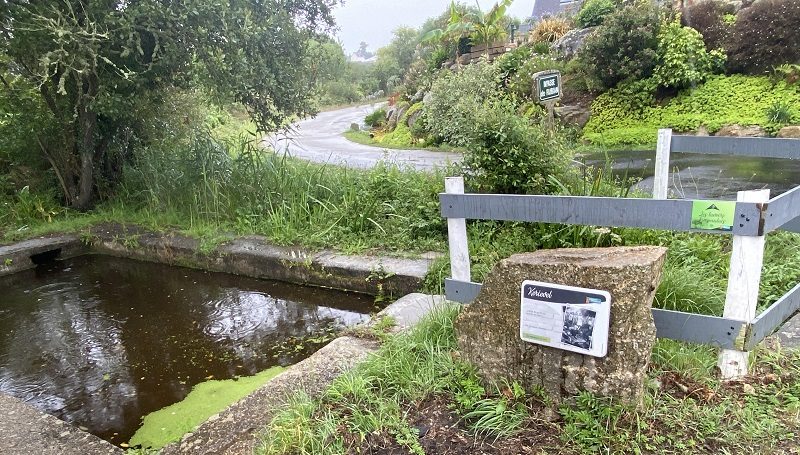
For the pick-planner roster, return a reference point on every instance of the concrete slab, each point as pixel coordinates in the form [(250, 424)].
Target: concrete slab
[(255, 257), (24, 430), (17, 257), (407, 311)]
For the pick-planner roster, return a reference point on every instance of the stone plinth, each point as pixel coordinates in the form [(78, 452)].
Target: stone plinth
[(488, 329)]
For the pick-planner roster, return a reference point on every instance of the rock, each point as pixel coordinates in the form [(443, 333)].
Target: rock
[(412, 119), (569, 44), (574, 115), (427, 98), (399, 109), (390, 112), (790, 132), (488, 329), (418, 96), (742, 131), (391, 123), (355, 127)]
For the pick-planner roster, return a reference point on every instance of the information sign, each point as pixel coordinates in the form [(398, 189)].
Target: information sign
[(548, 85), (713, 215), (565, 317)]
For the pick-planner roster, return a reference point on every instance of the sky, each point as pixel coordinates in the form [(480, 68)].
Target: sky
[(373, 20)]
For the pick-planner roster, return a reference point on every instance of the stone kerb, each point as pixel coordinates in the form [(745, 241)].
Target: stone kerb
[(488, 330)]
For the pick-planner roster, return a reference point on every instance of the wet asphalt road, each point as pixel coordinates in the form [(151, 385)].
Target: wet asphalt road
[(320, 140)]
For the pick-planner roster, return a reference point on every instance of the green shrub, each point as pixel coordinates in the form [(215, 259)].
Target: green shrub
[(682, 57), (594, 12), (376, 119), (765, 35), (456, 98), (340, 92), (510, 63), (578, 76), (509, 155), (789, 72), (624, 47), (541, 48), (628, 114), (520, 84), (710, 18)]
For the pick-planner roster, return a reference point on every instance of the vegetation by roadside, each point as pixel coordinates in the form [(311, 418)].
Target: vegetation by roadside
[(211, 190), (630, 116), (416, 396), (374, 140)]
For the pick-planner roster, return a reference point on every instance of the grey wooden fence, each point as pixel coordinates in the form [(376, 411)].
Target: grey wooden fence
[(738, 330)]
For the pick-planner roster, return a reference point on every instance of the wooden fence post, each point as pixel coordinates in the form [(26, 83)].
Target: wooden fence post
[(661, 176), (457, 236), (747, 258)]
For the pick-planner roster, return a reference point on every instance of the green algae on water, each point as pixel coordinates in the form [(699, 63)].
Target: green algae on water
[(169, 424)]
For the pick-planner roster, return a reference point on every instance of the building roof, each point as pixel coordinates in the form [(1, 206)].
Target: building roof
[(545, 8)]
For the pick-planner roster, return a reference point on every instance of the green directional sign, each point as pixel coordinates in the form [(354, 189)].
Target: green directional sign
[(713, 215), (548, 86)]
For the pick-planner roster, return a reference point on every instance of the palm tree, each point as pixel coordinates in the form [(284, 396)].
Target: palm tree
[(480, 27)]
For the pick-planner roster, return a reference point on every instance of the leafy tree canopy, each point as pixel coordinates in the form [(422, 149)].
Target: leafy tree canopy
[(84, 66)]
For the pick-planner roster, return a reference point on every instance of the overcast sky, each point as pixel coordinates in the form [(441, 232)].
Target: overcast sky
[(373, 20)]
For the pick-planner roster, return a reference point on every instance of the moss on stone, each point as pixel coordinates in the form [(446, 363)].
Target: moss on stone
[(169, 424)]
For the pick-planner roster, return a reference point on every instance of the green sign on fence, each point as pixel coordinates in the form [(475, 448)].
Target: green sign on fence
[(713, 215)]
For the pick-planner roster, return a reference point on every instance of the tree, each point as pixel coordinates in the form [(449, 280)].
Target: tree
[(86, 64), (481, 28), (395, 58)]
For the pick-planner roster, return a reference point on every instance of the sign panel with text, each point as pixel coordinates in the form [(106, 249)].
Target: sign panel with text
[(565, 317)]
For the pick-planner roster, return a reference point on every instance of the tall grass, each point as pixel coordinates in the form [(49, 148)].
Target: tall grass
[(239, 187)]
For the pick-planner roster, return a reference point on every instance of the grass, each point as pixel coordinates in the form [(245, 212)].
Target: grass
[(369, 399), (686, 412), (213, 189), (169, 424), (363, 138)]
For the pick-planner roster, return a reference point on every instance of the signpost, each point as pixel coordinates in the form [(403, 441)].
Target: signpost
[(547, 85), (565, 317)]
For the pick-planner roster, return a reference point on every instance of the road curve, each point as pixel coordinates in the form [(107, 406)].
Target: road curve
[(320, 140)]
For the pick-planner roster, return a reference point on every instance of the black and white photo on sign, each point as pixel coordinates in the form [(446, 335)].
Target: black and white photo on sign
[(578, 327)]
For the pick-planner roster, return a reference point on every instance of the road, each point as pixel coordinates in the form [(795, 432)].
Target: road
[(320, 140)]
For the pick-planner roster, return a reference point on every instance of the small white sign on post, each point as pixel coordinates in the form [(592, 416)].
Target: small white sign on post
[(565, 317)]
